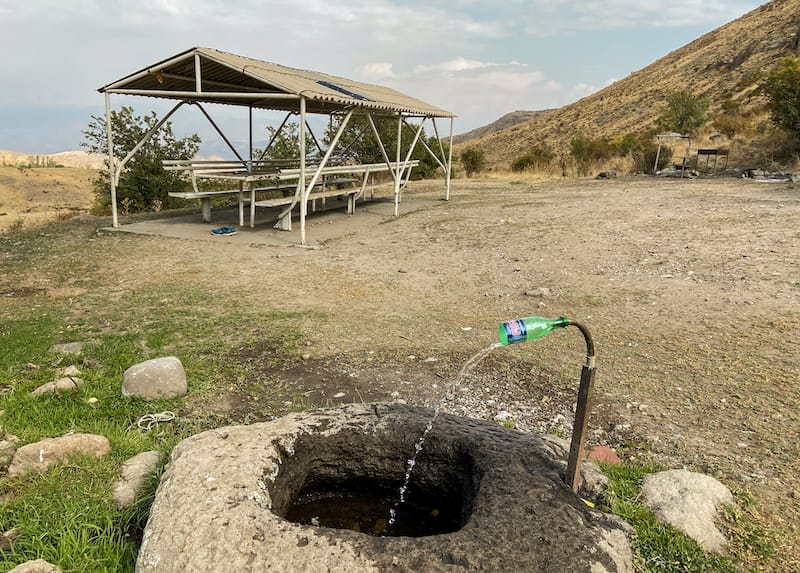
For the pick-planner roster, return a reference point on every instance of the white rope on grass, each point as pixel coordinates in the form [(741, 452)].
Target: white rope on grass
[(150, 421)]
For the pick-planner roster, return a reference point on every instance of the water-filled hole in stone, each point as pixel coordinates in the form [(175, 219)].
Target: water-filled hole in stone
[(353, 485)]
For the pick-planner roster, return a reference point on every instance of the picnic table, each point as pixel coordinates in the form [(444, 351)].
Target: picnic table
[(259, 177)]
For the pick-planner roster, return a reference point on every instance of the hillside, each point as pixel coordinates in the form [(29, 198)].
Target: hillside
[(33, 196), (508, 120), (723, 65), (63, 159)]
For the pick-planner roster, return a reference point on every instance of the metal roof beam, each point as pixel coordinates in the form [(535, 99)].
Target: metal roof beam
[(214, 95)]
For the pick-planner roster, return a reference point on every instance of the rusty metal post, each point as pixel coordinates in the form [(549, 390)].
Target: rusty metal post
[(583, 408)]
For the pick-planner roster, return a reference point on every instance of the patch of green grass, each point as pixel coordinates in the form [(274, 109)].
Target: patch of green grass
[(66, 515), (662, 548)]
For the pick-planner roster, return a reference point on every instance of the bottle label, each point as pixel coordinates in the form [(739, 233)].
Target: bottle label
[(515, 331)]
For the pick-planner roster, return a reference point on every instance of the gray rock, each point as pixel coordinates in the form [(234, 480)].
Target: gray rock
[(155, 379), (8, 445), (688, 501), (70, 370), (41, 455), (594, 482), (62, 385), (37, 566), (223, 500), (133, 474), (67, 348)]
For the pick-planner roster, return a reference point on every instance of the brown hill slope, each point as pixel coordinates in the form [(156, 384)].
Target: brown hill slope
[(508, 120), (724, 65)]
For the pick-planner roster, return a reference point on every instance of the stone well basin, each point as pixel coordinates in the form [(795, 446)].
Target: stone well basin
[(223, 501)]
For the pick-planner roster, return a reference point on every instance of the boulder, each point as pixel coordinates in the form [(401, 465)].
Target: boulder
[(225, 500), (37, 566), (41, 455), (62, 385), (133, 474), (159, 378), (689, 502)]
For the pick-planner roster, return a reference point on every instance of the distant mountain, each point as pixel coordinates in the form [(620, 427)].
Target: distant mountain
[(724, 65), (508, 120), (63, 159)]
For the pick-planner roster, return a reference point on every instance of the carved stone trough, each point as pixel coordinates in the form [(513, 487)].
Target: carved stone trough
[(311, 492)]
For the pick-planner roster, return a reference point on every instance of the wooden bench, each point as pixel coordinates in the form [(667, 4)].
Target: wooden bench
[(284, 174), (360, 173), (205, 200)]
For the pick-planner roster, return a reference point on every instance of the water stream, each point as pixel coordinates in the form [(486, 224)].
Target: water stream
[(463, 373)]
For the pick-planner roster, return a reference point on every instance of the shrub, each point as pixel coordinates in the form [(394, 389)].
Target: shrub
[(535, 159), (587, 151), (473, 160)]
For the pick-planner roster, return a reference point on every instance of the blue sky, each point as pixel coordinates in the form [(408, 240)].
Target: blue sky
[(478, 58)]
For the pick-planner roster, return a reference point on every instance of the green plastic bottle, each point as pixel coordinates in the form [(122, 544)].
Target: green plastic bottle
[(530, 328)]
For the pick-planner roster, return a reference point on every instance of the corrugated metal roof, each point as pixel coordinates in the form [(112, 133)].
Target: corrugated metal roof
[(227, 78)]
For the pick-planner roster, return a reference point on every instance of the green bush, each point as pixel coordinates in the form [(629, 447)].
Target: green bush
[(586, 152), (536, 159), (473, 160)]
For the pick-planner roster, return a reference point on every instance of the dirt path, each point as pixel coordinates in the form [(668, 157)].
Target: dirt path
[(691, 289)]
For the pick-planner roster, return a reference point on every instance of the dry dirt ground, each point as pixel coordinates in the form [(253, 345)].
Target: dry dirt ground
[(690, 288)]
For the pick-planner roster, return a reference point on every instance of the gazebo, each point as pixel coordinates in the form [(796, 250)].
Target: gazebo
[(201, 76)]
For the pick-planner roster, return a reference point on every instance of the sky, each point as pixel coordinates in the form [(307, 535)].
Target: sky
[(479, 59)]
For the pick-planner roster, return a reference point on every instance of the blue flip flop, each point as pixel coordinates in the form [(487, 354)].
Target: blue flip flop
[(225, 231)]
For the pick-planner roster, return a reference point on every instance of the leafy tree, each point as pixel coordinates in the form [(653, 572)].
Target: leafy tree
[(473, 160), (782, 90), (358, 144), (685, 112), (143, 183), (287, 143)]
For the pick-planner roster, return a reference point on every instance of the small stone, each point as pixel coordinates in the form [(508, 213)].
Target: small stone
[(305, 356), (70, 370), (62, 385), (160, 378), (8, 445), (38, 456), (503, 416), (603, 454), (538, 292), (133, 474), (67, 348), (7, 538), (340, 395), (37, 566), (32, 366), (431, 359)]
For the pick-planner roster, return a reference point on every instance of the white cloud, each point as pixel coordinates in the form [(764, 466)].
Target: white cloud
[(460, 64), (376, 71), (547, 18)]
